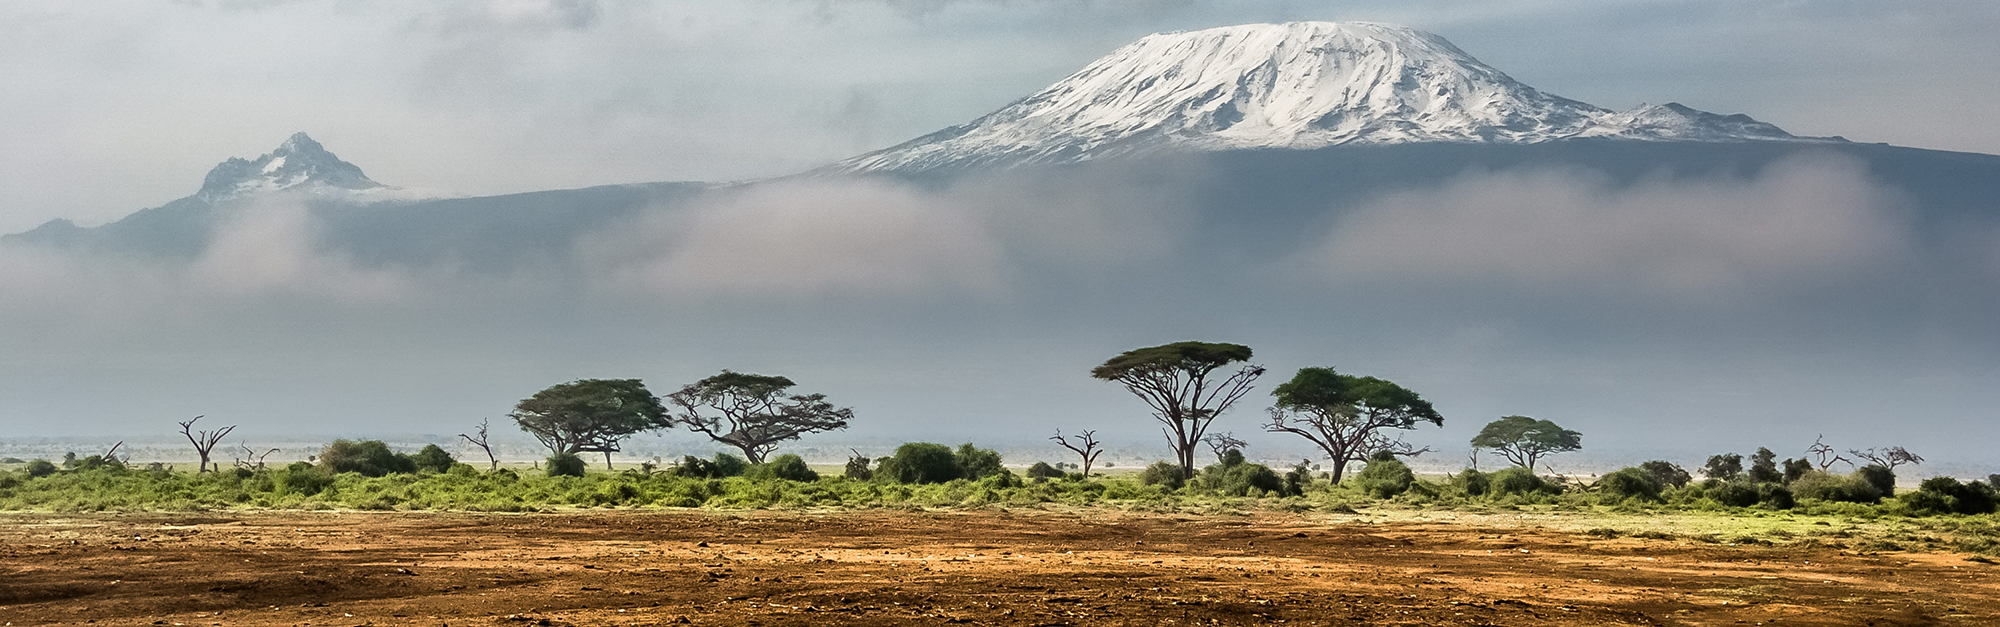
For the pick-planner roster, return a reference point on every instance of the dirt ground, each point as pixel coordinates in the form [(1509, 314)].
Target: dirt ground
[(928, 568)]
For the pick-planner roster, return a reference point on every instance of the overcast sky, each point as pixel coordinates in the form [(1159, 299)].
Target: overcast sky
[(114, 105)]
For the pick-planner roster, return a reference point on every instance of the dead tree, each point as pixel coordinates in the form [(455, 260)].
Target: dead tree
[(252, 459), (1222, 443), (484, 443), (1888, 458), (1826, 454), (1085, 447), (204, 441), (111, 456)]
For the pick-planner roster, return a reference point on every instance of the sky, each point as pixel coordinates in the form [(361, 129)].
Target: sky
[(1677, 315), (123, 104)]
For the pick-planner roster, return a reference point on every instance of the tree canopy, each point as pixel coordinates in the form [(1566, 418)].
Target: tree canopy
[(591, 415), (752, 412), (1344, 414), (1525, 440), (1174, 380)]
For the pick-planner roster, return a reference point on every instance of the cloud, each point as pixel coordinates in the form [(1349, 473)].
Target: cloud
[(1805, 219), (806, 239)]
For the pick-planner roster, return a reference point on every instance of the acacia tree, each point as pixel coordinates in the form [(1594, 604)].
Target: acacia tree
[(752, 412), (591, 415), (1345, 415), (204, 441), (1174, 380), (1525, 440), (1085, 447)]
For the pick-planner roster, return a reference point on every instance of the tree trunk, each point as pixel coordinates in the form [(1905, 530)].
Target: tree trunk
[(1339, 470), (607, 459)]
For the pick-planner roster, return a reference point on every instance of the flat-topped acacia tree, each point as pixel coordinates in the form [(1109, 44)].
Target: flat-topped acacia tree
[(752, 412), (591, 415), (1525, 440), (1345, 415), (1178, 381)]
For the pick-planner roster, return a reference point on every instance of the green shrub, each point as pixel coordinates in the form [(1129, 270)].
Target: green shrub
[(787, 466), (1241, 479), (40, 468), (976, 463), (1667, 474), (695, 468), (1472, 482), (300, 478), (1946, 495), (1519, 481), (432, 458), (1824, 486), (1165, 474), (370, 458), (1881, 477), (1042, 471), (727, 465), (1385, 478), (12, 460), (565, 465), (1298, 478), (1775, 496), (919, 462), (857, 468), (1631, 483)]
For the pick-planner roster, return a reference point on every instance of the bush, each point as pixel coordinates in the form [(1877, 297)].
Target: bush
[(40, 468), (1385, 478), (370, 458), (919, 462), (1632, 483), (1163, 473), (1520, 481), (1775, 496), (1473, 482), (787, 466), (1042, 471), (300, 478), (12, 460), (1881, 477), (433, 458), (1239, 479), (977, 463), (1945, 495), (727, 465), (1666, 474), (565, 465), (1298, 478), (857, 468), (1823, 486)]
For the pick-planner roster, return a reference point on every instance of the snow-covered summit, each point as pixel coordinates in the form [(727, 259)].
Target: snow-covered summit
[(301, 165), (1297, 85)]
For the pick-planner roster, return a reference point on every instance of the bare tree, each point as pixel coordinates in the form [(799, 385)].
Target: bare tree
[(204, 441), (1221, 443), (1826, 454), (251, 458), (112, 455), (484, 443), (1888, 458), (1086, 447)]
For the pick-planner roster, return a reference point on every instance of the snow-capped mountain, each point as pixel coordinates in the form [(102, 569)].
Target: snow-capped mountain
[(1299, 85), (298, 165)]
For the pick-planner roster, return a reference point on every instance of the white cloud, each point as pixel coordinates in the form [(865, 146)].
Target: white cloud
[(1810, 218), (807, 239)]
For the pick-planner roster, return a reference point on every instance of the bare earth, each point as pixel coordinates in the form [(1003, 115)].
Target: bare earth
[(928, 568)]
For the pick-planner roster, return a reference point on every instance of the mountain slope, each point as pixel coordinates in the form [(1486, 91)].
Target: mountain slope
[(1299, 85)]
